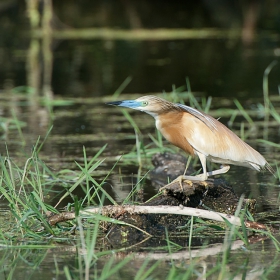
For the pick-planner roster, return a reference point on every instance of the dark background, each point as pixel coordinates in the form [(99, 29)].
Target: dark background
[(217, 67)]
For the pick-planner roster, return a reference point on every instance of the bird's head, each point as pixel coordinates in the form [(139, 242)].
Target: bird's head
[(150, 104)]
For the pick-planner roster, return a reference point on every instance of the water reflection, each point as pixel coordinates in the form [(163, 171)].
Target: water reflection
[(52, 261), (223, 66)]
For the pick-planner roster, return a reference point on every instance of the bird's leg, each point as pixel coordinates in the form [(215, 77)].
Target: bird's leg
[(200, 177), (224, 169), (205, 174), (180, 178)]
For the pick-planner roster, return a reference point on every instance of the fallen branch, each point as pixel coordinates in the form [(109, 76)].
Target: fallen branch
[(114, 211), (175, 210)]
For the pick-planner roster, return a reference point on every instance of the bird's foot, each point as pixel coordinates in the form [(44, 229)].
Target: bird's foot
[(199, 177), (179, 179), (188, 179)]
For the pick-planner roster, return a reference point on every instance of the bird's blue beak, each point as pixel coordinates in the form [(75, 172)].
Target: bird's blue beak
[(126, 103)]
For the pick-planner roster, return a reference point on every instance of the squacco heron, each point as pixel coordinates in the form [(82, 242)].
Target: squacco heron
[(199, 134)]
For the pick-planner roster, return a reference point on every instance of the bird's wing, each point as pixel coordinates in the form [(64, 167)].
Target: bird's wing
[(208, 120)]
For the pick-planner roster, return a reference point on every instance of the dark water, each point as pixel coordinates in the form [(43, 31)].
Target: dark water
[(218, 67), (88, 72)]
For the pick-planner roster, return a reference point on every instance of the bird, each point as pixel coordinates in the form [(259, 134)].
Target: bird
[(198, 134)]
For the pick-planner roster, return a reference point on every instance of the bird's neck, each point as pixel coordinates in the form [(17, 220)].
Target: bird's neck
[(168, 119)]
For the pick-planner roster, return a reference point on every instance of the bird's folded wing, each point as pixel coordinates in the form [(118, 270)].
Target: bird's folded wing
[(208, 120)]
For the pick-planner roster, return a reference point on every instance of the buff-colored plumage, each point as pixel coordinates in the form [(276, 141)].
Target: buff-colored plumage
[(198, 134)]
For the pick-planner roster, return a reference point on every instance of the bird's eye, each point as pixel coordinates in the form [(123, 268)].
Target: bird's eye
[(144, 103)]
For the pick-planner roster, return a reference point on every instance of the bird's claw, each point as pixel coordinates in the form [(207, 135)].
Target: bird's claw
[(179, 179)]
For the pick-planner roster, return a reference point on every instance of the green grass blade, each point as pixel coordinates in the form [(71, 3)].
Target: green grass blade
[(123, 85), (243, 111)]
